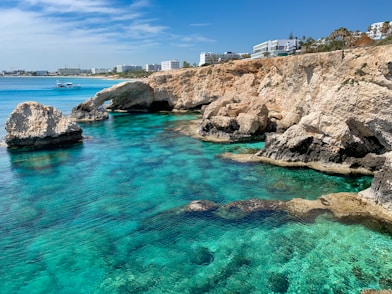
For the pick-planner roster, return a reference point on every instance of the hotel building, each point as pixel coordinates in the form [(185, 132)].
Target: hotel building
[(169, 65), (275, 48), (214, 58)]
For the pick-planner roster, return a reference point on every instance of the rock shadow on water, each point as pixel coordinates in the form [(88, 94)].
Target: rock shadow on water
[(42, 160)]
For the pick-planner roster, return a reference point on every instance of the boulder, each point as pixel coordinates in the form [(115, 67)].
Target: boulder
[(329, 139), (235, 122), (32, 124), (88, 111)]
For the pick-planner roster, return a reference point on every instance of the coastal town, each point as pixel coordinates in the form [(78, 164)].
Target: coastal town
[(341, 38), (152, 146)]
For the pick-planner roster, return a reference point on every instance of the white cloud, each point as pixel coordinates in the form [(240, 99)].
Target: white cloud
[(34, 33), (139, 30), (68, 6)]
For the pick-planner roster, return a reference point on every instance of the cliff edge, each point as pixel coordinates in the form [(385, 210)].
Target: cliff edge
[(322, 109)]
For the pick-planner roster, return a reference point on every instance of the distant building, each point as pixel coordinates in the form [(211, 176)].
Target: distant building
[(379, 30), (100, 70), (85, 71), (214, 58), (153, 67), (169, 65), (41, 73), (127, 68), (69, 71), (275, 48)]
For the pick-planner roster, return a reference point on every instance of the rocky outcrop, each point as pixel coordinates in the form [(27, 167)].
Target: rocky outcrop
[(32, 124), (314, 109), (381, 189), (345, 207), (338, 99), (133, 96), (317, 138)]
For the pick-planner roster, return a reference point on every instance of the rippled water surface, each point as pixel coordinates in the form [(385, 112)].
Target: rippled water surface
[(105, 216)]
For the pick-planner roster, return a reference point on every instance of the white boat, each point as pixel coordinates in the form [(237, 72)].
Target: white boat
[(66, 86)]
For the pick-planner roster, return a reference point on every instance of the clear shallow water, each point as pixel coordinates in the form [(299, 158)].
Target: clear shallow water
[(104, 217)]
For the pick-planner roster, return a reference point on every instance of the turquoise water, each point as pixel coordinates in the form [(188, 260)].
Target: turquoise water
[(104, 216)]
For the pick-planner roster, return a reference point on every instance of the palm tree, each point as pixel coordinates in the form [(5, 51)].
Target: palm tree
[(385, 28)]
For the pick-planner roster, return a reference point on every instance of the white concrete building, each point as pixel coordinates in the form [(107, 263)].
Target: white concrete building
[(126, 68), (170, 64), (275, 48), (69, 71), (100, 70), (214, 58), (375, 32), (42, 73), (153, 67)]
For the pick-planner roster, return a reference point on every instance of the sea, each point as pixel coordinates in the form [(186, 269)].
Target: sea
[(107, 215)]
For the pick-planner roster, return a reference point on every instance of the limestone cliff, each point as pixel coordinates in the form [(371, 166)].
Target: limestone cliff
[(332, 107), (329, 94), (340, 98)]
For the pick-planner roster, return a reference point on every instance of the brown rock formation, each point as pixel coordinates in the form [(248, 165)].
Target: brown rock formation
[(34, 125), (368, 291), (340, 99), (125, 96), (316, 109)]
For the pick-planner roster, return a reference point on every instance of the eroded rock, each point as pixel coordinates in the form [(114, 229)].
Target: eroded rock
[(321, 137), (32, 124), (317, 109), (132, 96), (381, 188)]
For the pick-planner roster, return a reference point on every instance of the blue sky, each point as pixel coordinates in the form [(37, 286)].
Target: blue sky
[(50, 34)]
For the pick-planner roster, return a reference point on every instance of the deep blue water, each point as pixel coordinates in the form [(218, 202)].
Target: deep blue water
[(104, 216)]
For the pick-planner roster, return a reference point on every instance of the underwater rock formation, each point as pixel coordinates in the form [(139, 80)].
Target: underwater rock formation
[(344, 207)]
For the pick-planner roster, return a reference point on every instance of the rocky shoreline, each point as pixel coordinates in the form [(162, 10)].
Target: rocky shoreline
[(326, 111)]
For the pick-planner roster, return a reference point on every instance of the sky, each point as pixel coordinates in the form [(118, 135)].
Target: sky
[(52, 34)]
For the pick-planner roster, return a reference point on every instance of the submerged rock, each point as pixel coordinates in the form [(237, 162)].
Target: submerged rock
[(345, 207), (201, 256), (370, 291), (278, 282), (201, 206), (32, 124)]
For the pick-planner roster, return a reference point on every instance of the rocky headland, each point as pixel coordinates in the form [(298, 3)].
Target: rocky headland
[(329, 111), (34, 125)]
